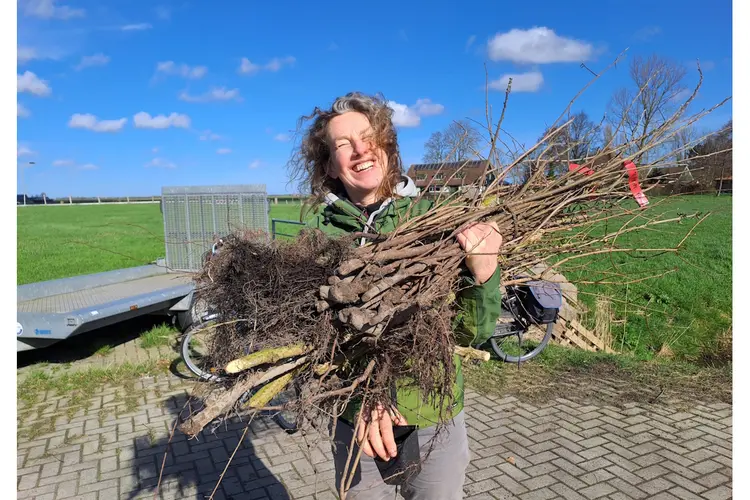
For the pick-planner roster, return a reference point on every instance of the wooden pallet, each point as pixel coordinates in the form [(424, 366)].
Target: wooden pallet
[(569, 332)]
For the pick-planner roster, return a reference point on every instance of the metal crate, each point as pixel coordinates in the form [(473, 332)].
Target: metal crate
[(195, 215)]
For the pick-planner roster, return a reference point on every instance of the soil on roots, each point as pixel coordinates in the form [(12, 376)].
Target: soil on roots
[(267, 295)]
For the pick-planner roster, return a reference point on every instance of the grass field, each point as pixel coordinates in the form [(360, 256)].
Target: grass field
[(58, 242), (688, 311)]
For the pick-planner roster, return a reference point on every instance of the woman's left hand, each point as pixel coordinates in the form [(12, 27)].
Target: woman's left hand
[(481, 242)]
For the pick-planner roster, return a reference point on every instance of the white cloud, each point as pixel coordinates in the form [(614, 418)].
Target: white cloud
[(215, 94), (136, 27), (425, 107), (522, 82), (24, 54), (163, 13), (183, 70), (88, 166), (223, 151), (248, 67), (154, 150), (470, 42), (282, 137), (94, 60), (411, 116), (254, 164), (276, 63), (538, 45), (90, 122), (160, 163), (29, 82), (63, 163), (681, 96), (646, 33), (46, 9), (145, 120), (23, 150), (209, 136), (21, 111)]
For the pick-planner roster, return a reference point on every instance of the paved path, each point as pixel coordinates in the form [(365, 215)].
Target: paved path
[(557, 450)]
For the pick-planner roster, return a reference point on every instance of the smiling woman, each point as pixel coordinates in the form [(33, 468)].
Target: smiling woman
[(349, 159)]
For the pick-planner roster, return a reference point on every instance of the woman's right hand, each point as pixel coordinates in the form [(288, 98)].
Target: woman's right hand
[(379, 438)]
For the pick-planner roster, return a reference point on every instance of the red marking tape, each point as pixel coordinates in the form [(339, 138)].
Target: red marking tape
[(635, 186)]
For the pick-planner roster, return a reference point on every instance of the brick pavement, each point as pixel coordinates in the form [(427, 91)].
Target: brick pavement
[(557, 450)]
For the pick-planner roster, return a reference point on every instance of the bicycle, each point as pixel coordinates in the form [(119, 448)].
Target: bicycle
[(534, 303), (197, 336)]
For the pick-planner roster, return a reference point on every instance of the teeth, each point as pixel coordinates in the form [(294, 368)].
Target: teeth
[(363, 166)]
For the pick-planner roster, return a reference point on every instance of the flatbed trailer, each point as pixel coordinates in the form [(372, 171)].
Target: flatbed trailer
[(51, 311)]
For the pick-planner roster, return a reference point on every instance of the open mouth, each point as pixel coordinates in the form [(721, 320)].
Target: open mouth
[(365, 165)]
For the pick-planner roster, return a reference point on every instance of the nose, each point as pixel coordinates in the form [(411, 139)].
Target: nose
[(360, 147)]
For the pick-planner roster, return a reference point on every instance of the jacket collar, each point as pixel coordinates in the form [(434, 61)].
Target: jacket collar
[(404, 189), (347, 214)]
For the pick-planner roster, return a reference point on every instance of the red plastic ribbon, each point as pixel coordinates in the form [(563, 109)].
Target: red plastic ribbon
[(573, 167), (635, 186)]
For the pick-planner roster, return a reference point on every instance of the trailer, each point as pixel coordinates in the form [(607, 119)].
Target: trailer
[(194, 217)]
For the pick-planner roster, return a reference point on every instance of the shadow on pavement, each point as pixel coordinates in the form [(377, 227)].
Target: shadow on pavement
[(86, 344), (192, 467)]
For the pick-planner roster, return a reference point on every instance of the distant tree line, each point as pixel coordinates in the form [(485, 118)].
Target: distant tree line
[(636, 115)]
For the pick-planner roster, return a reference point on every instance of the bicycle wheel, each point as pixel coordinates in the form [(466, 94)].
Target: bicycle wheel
[(505, 343), (285, 419), (194, 344)]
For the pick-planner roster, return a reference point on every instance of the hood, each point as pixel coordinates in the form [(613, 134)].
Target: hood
[(405, 189)]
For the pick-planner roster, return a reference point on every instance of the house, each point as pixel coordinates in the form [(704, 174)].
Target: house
[(724, 185), (449, 177)]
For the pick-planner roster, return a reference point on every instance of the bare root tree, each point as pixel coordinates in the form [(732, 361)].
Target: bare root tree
[(640, 111)]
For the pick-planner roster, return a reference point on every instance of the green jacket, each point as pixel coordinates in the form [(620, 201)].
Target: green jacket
[(479, 305)]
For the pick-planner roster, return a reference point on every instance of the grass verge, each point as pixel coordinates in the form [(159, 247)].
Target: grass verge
[(161, 335), (80, 384), (610, 378)]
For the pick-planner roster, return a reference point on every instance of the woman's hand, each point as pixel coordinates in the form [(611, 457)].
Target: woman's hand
[(379, 439), (481, 242)]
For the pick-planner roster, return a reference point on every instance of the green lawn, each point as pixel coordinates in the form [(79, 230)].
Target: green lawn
[(687, 310), (58, 242)]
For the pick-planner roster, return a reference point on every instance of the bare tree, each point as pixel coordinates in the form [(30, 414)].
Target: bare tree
[(640, 111), (581, 139), (458, 142), (711, 159), (436, 149)]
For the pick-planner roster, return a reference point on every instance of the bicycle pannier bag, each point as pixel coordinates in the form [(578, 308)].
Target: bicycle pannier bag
[(542, 300)]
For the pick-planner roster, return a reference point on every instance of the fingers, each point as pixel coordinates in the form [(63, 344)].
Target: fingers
[(386, 434), (379, 423), (378, 439), (364, 444)]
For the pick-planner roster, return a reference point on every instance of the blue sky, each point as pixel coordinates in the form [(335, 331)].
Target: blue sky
[(123, 97)]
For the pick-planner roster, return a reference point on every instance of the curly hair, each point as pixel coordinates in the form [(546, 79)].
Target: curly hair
[(310, 159)]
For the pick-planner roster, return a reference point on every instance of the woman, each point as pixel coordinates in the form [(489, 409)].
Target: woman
[(349, 159)]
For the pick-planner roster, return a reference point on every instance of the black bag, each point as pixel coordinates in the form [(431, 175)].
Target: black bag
[(399, 469), (541, 300)]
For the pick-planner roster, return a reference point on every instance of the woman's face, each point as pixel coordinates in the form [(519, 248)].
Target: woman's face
[(355, 160)]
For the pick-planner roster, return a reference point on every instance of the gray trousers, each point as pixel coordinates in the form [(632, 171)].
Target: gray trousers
[(440, 478)]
